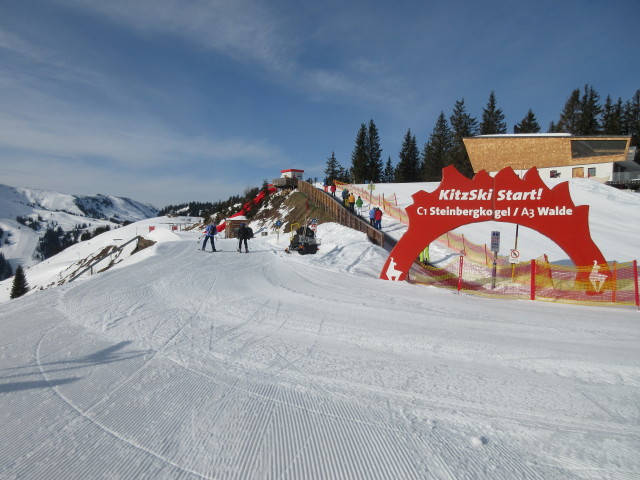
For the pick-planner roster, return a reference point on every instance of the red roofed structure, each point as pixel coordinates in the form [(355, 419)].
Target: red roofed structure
[(292, 173)]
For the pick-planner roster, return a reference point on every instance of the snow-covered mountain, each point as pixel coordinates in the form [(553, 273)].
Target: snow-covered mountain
[(25, 215), (94, 206)]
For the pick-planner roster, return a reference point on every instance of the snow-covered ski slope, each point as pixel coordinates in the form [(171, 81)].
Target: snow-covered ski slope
[(195, 365)]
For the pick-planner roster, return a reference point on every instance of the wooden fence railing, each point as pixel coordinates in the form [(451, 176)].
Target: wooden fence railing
[(108, 252), (342, 216)]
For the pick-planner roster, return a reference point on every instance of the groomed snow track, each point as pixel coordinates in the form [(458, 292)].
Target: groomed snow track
[(228, 366)]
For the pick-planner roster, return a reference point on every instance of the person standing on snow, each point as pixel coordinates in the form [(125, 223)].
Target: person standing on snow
[(378, 219), (352, 201), (333, 190), (244, 233), (359, 205), (210, 232), (372, 216)]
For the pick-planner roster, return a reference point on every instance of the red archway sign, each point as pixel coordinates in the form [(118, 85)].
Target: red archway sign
[(504, 198)]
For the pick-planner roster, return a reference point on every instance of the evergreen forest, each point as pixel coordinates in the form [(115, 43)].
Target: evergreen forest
[(584, 114)]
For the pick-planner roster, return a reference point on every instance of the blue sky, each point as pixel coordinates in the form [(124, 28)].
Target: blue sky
[(171, 101)]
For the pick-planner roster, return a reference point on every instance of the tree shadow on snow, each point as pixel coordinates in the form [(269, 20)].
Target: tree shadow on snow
[(104, 356), (17, 386)]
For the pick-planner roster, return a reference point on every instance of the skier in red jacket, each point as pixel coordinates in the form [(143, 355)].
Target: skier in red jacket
[(377, 217)]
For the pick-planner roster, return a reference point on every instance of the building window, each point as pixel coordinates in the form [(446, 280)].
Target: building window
[(597, 148), (591, 172)]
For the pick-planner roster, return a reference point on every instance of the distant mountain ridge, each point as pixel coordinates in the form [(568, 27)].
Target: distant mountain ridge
[(26, 214), (93, 206)]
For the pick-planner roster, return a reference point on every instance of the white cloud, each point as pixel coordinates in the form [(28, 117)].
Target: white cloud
[(242, 29), (43, 114), (255, 33), (68, 127)]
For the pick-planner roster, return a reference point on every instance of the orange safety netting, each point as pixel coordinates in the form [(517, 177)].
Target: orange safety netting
[(535, 280)]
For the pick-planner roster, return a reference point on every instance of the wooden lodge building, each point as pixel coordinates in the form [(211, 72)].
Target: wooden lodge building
[(608, 159)]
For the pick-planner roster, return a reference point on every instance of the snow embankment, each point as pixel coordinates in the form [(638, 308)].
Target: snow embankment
[(114, 246)]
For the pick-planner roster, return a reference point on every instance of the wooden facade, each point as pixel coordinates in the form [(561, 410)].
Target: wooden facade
[(494, 152)]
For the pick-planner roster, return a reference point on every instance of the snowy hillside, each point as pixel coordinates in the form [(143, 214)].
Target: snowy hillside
[(179, 363), (43, 209), (198, 365), (113, 247)]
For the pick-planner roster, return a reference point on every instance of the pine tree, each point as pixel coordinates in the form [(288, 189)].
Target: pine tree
[(612, 117), (437, 151), (359, 160), (333, 168), (589, 113), (529, 124), (463, 125), (344, 175), (265, 191), (408, 169), (388, 174), (374, 154), (570, 116), (50, 244), (631, 119), (492, 118), (5, 268), (20, 285)]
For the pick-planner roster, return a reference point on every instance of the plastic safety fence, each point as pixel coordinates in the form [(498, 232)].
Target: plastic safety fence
[(475, 252), (534, 280), (557, 283)]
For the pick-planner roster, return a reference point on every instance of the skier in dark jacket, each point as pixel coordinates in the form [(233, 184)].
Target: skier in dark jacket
[(210, 232), (345, 198), (244, 233)]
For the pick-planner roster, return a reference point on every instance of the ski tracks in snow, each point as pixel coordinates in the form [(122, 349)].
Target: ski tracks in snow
[(243, 366), (91, 412)]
